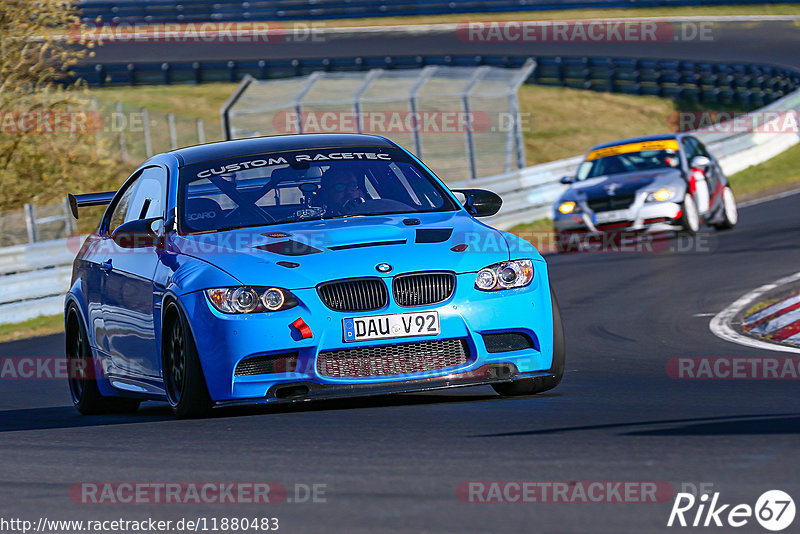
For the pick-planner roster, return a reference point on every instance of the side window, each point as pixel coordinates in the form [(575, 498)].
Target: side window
[(689, 149), (699, 147), (118, 215), (148, 196)]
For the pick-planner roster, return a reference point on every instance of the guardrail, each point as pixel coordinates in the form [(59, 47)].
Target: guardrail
[(35, 278), (229, 10)]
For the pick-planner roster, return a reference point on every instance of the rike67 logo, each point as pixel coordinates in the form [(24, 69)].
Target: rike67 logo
[(774, 510)]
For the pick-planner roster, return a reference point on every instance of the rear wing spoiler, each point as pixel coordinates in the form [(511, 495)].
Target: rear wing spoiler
[(89, 199)]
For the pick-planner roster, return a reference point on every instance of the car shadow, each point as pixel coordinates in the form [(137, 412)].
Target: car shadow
[(68, 417), (750, 424)]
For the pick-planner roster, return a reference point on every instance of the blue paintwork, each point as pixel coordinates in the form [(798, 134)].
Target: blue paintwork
[(123, 308)]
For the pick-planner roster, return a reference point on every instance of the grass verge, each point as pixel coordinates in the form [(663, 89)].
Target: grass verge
[(776, 174), (38, 326), (574, 14)]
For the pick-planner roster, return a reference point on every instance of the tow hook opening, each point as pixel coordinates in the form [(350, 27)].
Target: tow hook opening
[(502, 372), (291, 392)]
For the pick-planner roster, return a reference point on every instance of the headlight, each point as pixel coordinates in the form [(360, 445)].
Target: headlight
[(659, 196), (237, 300), (567, 207), (505, 275)]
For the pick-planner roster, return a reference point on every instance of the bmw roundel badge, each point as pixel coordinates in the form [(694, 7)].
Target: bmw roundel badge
[(383, 268)]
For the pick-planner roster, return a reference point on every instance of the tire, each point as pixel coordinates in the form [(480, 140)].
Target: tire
[(83, 388), (690, 220), (531, 386), (184, 382), (730, 214)]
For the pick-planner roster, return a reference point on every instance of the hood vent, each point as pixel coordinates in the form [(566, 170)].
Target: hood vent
[(371, 244), (289, 248), (433, 235)]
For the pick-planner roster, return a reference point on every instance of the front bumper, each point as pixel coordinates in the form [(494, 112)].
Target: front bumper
[(225, 340), (640, 216)]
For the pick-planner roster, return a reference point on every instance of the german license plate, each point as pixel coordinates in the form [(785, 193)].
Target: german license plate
[(610, 216), (391, 326)]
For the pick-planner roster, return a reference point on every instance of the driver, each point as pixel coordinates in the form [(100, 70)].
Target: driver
[(337, 188)]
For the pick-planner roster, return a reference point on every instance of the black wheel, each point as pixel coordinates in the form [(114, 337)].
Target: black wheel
[(530, 386), (80, 374), (690, 220), (184, 382), (730, 214)]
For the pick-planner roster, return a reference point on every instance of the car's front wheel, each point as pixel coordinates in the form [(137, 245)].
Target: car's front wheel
[(184, 382), (690, 221), (530, 386), (730, 213), (80, 373)]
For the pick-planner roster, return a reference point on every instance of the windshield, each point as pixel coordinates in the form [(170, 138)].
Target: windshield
[(633, 161), (305, 185), (629, 157)]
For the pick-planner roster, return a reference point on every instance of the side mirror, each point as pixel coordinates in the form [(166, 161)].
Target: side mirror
[(140, 233), (566, 180), (479, 202), (700, 162)]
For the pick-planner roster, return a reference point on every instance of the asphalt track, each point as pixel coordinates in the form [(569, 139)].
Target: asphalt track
[(766, 42), (393, 463)]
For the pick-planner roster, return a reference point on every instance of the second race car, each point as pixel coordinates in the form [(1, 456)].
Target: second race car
[(653, 183)]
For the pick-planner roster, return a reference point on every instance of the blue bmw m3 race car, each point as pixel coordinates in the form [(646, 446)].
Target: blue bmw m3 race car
[(301, 267)]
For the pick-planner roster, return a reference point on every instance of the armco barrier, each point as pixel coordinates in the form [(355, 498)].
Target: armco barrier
[(38, 275), (229, 10), (34, 279)]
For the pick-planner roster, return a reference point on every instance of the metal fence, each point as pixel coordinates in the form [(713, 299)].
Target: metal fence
[(139, 133), (440, 113), (230, 10), (33, 224)]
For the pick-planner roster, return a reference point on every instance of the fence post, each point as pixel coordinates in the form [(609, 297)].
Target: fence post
[(148, 142), (120, 123), (201, 132), (30, 223), (69, 222), (480, 72), (173, 135), (424, 75)]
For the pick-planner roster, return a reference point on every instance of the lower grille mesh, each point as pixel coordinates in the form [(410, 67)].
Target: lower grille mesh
[(274, 363), (611, 203), (387, 360)]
